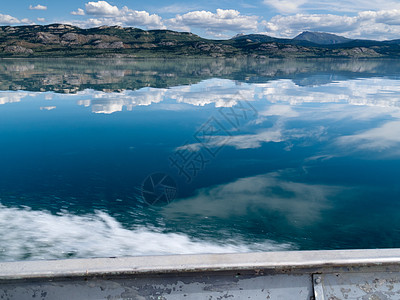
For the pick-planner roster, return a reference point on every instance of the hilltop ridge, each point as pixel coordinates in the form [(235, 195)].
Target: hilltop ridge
[(322, 38), (62, 40)]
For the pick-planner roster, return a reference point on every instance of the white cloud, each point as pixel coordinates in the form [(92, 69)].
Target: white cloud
[(289, 26), (101, 8), (41, 20), (48, 107), (258, 196), (132, 17), (275, 134), (285, 6), (251, 141), (105, 14), (174, 24), (377, 92), (389, 17), (78, 12), (240, 141), (37, 7), (108, 103), (176, 8), (379, 25), (222, 20), (221, 92), (280, 110), (384, 137), (347, 6), (13, 97), (223, 23), (350, 6), (8, 20)]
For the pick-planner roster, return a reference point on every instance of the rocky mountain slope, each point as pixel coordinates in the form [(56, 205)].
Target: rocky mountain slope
[(59, 40), (321, 38)]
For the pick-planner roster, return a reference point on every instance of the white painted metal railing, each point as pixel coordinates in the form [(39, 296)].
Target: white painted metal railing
[(338, 274)]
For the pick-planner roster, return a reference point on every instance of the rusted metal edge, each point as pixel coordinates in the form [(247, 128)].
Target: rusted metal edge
[(305, 261)]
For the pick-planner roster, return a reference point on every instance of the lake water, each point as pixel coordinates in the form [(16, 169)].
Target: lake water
[(103, 158)]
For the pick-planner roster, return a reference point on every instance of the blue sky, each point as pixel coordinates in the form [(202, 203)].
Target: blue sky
[(217, 19)]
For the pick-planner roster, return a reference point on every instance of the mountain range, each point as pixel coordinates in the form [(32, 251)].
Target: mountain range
[(61, 40), (71, 75)]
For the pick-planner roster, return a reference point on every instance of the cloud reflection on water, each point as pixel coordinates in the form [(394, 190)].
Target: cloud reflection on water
[(226, 93), (259, 196), (369, 99)]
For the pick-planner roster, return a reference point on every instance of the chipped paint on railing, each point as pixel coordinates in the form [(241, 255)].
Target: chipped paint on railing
[(319, 275)]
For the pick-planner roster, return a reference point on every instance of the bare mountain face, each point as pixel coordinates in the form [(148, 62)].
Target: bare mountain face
[(321, 38), (59, 40)]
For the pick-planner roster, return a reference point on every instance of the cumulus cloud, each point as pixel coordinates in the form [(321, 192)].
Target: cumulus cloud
[(389, 17), (37, 7), (41, 20), (101, 8), (379, 25), (78, 12), (293, 19), (133, 17), (291, 25), (8, 20), (222, 20), (104, 13)]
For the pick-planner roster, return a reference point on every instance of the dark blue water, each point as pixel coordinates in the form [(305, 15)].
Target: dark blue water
[(119, 158)]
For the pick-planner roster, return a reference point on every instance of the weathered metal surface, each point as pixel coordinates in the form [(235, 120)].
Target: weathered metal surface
[(363, 286), (199, 286), (318, 287), (328, 275)]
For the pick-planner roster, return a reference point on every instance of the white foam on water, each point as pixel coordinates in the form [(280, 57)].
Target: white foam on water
[(30, 234)]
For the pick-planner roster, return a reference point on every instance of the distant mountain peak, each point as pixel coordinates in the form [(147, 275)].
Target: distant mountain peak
[(255, 37), (238, 35), (321, 38)]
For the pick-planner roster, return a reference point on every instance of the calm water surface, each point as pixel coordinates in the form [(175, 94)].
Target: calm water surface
[(239, 155)]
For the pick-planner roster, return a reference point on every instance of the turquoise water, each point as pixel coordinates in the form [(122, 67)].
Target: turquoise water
[(256, 156)]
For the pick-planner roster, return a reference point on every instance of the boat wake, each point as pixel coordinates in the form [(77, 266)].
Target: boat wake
[(26, 234)]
